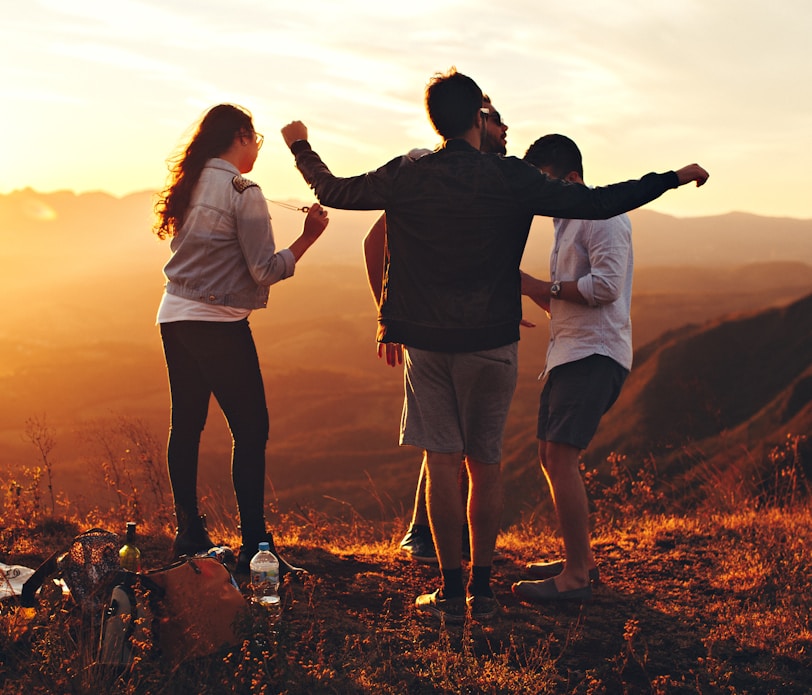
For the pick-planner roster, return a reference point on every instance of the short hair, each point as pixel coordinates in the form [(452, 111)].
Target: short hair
[(453, 101), (556, 152)]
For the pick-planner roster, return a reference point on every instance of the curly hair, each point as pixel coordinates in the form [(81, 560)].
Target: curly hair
[(213, 136)]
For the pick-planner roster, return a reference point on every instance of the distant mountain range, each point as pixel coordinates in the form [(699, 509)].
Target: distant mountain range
[(99, 220), (723, 363)]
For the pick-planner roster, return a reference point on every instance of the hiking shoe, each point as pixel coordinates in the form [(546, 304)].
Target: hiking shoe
[(452, 610), (545, 570), (483, 607), (192, 536), (419, 545)]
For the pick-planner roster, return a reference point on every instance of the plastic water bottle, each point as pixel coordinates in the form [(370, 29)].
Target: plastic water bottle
[(265, 581)]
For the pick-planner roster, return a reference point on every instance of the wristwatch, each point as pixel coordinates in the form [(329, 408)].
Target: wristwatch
[(555, 290)]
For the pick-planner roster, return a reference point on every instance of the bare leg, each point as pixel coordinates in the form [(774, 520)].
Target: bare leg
[(560, 465), (464, 482), (484, 509), (420, 515), (445, 507)]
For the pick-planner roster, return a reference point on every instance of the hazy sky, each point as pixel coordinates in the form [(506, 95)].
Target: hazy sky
[(97, 95)]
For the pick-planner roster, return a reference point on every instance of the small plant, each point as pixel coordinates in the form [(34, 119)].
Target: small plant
[(131, 461), (785, 482), (42, 438), (628, 493)]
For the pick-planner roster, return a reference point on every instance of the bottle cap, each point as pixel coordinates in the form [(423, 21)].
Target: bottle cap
[(264, 545)]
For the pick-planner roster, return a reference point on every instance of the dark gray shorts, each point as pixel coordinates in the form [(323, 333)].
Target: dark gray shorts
[(575, 397), (458, 401)]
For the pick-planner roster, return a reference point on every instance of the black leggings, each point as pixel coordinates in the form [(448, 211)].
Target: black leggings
[(204, 358)]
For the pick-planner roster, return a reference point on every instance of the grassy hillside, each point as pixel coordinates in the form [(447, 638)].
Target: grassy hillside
[(709, 398), (690, 604)]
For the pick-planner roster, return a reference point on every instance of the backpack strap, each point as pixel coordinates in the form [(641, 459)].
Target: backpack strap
[(28, 596), (142, 579)]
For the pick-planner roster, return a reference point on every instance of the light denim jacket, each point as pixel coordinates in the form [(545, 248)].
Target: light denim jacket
[(225, 252)]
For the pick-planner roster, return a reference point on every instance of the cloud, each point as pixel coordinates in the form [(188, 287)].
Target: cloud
[(628, 79)]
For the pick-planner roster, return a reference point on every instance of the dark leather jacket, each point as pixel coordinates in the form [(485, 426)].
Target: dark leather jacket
[(457, 224)]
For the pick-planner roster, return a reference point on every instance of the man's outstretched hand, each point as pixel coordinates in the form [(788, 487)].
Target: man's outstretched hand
[(692, 172), (294, 131)]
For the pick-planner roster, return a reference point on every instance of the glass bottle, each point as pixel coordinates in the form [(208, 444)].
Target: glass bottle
[(130, 556)]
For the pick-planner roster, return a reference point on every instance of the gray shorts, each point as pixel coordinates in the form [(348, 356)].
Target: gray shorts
[(458, 401)]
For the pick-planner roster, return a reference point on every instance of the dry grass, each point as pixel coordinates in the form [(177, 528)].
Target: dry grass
[(701, 602)]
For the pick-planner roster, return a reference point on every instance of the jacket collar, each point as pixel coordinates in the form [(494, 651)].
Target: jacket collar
[(458, 145), (217, 163)]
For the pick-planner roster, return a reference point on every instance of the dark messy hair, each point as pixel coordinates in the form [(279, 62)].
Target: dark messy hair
[(213, 136), (453, 101), (557, 152)]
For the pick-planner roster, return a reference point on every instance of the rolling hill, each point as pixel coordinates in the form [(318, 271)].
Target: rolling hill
[(78, 346), (721, 395)]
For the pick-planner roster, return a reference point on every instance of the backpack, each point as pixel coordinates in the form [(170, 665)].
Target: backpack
[(126, 624), (87, 566), (189, 609)]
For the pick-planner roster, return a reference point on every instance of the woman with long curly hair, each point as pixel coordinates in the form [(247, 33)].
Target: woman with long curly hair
[(223, 261)]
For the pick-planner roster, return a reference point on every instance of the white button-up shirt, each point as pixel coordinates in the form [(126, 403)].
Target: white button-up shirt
[(598, 254)]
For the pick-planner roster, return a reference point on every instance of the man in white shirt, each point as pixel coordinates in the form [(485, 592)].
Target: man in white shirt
[(589, 356)]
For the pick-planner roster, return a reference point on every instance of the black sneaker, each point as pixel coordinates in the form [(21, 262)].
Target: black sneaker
[(483, 607), (419, 545), (452, 610)]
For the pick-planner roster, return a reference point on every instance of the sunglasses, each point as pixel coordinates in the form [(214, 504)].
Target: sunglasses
[(493, 115)]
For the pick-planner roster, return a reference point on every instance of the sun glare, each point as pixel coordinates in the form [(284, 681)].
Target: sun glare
[(39, 211)]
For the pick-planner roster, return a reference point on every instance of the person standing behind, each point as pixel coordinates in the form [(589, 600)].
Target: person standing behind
[(223, 261), (588, 358), (457, 224)]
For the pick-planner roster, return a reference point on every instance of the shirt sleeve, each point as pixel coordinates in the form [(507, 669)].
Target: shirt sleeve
[(370, 191), (608, 244), (255, 235), (541, 195)]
